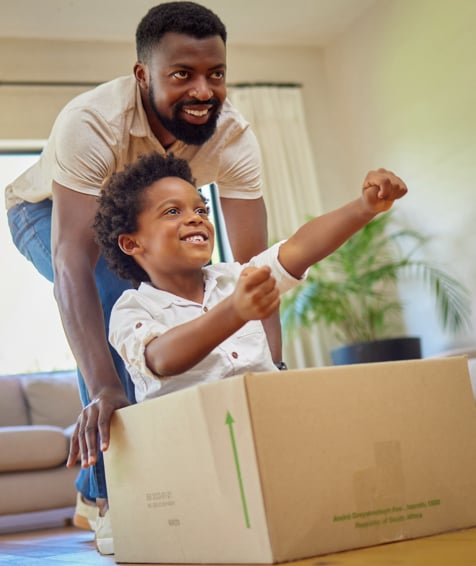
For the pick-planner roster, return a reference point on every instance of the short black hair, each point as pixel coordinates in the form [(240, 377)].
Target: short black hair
[(188, 18), (120, 203)]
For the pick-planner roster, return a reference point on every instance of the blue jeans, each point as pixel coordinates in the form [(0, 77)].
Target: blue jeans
[(30, 226)]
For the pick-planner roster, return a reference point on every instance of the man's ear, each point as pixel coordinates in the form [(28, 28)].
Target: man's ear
[(129, 244), (141, 73)]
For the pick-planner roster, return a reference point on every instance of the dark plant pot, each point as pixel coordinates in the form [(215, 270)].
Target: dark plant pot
[(388, 350)]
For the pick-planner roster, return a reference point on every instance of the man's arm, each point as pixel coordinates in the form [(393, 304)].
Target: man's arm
[(75, 254), (246, 225)]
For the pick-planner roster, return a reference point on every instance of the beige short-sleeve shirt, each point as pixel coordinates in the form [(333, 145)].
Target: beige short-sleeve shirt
[(100, 131)]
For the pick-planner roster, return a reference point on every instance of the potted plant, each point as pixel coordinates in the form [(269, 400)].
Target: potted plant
[(353, 293)]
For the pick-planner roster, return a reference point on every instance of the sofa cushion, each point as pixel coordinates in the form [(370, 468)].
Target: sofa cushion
[(13, 409), (32, 448), (52, 398)]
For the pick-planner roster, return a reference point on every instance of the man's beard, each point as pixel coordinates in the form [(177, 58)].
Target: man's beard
[(193, 134)]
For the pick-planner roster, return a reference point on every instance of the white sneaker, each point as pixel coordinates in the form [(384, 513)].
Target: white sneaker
[(85, 514), (103, 530)]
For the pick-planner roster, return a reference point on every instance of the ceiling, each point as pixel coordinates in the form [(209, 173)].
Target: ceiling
[(258, 22)]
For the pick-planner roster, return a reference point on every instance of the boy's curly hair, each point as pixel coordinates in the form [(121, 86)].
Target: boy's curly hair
[(187, 18), (120, 203)]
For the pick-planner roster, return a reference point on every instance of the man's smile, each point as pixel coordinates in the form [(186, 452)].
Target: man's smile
[(196, 111)]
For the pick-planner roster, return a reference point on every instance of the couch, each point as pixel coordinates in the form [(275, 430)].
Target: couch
[(37, 416)]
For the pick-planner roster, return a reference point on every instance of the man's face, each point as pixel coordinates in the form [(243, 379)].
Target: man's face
[(186, 87)]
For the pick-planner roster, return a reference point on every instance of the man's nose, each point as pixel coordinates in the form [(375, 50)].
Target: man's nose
[(201, 89)]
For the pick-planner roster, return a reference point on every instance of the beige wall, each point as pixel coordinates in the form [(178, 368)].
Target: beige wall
[(396, 90), (401, 83), (28, 112)]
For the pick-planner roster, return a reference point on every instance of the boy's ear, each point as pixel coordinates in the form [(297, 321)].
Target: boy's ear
[(129, 244)]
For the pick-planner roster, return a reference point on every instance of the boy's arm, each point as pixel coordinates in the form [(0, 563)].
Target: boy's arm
[(255, 298), (323, 235)]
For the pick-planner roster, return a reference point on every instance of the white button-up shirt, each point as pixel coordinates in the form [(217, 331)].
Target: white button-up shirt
[(143, 314)]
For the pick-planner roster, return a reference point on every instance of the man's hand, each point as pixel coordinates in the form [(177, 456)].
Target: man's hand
[(93, 423), (381, 188), (256, 296)]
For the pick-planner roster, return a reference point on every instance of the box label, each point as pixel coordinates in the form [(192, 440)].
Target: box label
[(388, 515)]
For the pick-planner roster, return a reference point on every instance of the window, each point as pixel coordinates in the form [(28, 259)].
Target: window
[(222, 251), (31, 332)]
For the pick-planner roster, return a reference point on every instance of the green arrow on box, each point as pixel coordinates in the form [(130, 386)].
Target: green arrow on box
[(229, 422)]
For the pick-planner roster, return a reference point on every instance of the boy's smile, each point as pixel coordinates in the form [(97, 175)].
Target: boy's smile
[(174, 237)]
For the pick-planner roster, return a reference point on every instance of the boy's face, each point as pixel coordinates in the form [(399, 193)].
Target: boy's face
[(174, 235)]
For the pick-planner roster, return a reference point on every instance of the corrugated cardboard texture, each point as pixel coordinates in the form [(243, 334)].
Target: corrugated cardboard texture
[(285, 465), (354, 456), (177, 469)]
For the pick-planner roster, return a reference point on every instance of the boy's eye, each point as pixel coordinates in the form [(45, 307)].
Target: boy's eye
[(172, 211), (203, 211)]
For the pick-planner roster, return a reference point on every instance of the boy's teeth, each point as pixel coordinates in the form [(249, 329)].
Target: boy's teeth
[(196, 238)]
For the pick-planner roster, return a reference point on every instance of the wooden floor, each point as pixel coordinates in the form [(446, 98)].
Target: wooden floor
[(72, 547), (68, 546)]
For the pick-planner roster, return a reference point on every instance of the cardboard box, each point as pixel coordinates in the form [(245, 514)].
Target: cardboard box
[(273, 467)]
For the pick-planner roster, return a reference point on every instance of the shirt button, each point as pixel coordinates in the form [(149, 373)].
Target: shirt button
[(205, 309), (234, 355), (139, 324)]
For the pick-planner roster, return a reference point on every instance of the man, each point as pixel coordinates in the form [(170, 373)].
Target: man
[(174, 102)]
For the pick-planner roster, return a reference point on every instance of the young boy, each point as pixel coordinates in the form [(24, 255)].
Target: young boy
[(189, 322)]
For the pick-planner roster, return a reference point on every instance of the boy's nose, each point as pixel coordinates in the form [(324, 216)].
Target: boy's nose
[(194, 218)]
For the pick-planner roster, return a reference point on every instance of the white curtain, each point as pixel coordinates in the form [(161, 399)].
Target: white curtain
[(276, 114)]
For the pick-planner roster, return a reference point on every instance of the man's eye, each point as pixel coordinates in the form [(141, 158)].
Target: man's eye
[(181, 75), (218, 75)]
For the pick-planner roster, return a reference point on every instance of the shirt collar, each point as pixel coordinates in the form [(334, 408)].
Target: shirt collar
[(164, 299), (210, 282), (140, 127)]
